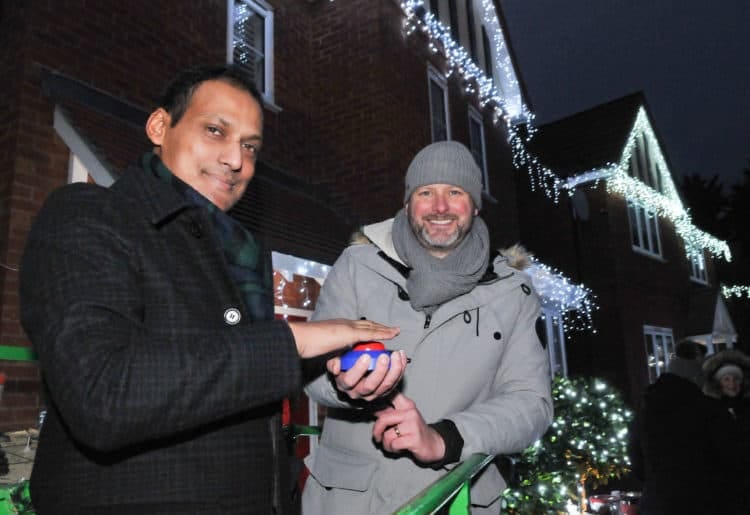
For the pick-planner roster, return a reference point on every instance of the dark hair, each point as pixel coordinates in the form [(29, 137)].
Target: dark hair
[(688, 349), (179, 92)]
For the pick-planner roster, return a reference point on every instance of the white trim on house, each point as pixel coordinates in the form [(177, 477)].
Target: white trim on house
[(83, 160)]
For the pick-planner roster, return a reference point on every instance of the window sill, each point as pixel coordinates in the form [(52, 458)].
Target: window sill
[(644, 252)]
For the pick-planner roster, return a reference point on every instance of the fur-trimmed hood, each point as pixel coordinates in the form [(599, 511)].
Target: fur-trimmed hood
[(716, 361), (379, 234)]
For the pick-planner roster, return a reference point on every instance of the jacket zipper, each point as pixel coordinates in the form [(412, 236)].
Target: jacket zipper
[(427, 321)]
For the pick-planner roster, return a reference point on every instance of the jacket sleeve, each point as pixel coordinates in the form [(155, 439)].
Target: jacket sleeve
[(519, 409), (113, 381), (337, 299)]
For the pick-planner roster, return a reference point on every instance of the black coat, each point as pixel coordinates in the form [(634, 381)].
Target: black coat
[(157, 404), (674, 449)]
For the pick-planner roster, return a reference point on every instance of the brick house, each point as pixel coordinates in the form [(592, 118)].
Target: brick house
[(353, 89)]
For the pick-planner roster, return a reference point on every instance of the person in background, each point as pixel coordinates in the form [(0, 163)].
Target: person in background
[(150, 310), (727, 373), (479, 377), (671, 444)]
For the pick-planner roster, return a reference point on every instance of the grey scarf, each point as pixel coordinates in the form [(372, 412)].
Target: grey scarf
[(434, 281)]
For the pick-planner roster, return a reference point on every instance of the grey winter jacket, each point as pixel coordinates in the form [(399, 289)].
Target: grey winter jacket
[(477, 362)]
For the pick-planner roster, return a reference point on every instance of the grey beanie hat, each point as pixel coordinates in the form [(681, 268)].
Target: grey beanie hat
[(445, 162)]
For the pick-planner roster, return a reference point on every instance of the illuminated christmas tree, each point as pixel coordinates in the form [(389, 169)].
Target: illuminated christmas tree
[(585, 447)]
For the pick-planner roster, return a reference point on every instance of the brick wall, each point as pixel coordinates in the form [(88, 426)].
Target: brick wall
[(126, 49)]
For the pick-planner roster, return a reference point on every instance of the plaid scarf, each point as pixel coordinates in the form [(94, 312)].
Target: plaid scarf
[(243, 254)]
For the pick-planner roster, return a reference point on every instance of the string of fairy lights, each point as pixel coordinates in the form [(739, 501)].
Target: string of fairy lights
[(735, 291), (575, 302)]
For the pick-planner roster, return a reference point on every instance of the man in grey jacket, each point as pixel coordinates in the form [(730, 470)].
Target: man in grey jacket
[(479, 377)]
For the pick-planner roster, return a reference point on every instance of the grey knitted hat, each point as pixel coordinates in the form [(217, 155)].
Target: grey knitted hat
[(445, 162)]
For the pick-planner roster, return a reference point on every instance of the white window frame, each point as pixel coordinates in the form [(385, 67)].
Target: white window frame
[(698, 272), (642, 166), (265, 11), (435, 77), (555, 338), (480, 154), (660, 347), (649, 239)]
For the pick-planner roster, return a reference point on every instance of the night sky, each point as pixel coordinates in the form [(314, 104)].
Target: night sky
[(691, 58)]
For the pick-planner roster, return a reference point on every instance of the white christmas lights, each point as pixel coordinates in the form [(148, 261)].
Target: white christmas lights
[(735, 291), (575, 302), (459, 61)]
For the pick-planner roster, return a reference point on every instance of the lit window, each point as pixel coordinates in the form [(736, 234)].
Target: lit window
[(250, 42), (659, 350), (644, 230), (438, 92)]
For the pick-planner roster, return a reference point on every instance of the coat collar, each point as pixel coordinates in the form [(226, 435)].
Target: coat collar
[(159, 201)]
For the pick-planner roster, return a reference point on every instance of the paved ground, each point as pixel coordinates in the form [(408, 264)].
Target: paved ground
[(19, 450)]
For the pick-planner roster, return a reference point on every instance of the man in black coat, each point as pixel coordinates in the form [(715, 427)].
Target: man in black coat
[(671, 446), (151, 312)]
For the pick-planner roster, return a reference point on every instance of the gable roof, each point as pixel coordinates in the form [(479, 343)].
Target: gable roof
[(708, 316), (591, 139)]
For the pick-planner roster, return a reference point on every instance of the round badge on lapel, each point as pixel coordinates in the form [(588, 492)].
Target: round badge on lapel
[(232, 316)]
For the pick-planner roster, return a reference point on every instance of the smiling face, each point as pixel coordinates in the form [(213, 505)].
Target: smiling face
[(730, 385), (440, 216), (214, 145)]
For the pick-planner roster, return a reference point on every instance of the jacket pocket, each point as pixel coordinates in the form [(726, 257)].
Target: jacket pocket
[(337, 468)]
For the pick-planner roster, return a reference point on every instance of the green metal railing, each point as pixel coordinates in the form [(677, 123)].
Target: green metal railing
[(15, 499), (451, 490), (15, 353)]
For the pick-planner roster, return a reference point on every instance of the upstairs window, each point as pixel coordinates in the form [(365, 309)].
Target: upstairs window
[(472, 31), (489, 67), (642, 166), (476, 145), (453, 13), (250, 42), (644, 230), (659, 350), (438, 95), (435, 8), (698, 268)]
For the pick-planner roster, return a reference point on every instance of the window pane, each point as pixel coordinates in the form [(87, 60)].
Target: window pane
[(632, 215), (437, 111), (489, 69), (651, 358), (642, 227), (472, 31), (476, 142), (249, 42), (557, 344), (653, 234), (453, 13), (434, 8)]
